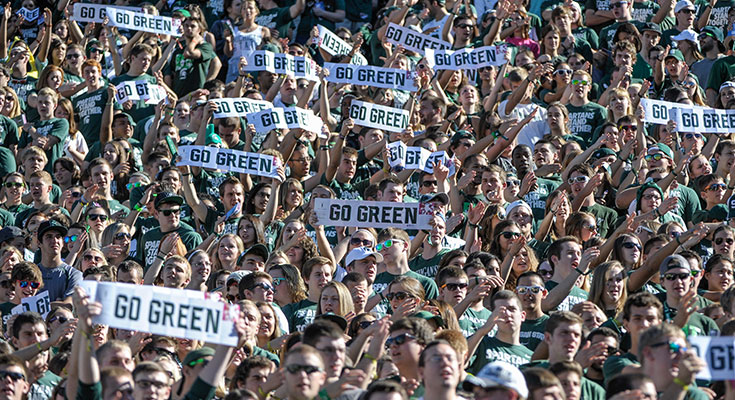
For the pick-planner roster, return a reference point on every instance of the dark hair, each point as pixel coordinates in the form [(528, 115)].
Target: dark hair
[(622, 382), (384, 386), (643, 299), (417, 326), (28, 317), (243, 370)]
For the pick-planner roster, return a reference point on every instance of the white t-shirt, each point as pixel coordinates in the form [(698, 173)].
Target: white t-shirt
[(533, 132)]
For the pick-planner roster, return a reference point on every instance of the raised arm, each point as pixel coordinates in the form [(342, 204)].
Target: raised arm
[(560, 292)]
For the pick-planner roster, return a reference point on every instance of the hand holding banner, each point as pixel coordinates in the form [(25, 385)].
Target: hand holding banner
[(389, 78), (89, 12), (335, 46), (703, 119), (281, 63), (40, 303), (719, 354)]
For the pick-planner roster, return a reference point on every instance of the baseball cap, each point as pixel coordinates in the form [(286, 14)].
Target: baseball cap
[(441, 196), (517, 203), (361, 253), (10, 232), (461, 134), (603, 152), (664, 148), (425, 315), (727, 84), (650, 26), (676, 53), (236, 276), (674, 261), (127, 116), (498, 374), (257, 249), (195, 355), (337, 319), (689, 35), (684, 5), (168, 197), (714, 32), (51, 225)]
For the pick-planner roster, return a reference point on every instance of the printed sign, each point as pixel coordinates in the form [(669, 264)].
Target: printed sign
[(28, 15), (414, 157), (285, 118), (659, 112), (88, 12), (151, 93), (379, 117), (376, 214), (229, 160), (163, 311), (389, 78), (138, 21), (40, 303), (228, 107), (332, 44), (466, 59), (281, 63), (412, 40), (719, 354), (703, 120)]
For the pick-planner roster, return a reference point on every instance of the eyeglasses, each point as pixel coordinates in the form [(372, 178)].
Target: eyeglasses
[(14, 376), (719, 241), (95, 217), (306, 159), (672, 276), (278, 281), (650, 197), (513, 182), (34, 285), (652, 157), (578, 179), (365, 324), (62, 319), (717, 186), (122, 235), (399, 340), (296, 368), (11, 185), (580, 82), (146, 384), (70, 56), (454, 286), (171, 211), (72, 238), (564, 72), (361, 242), (89, 257), (590, 227), (631, 245), (387, 244), (202, 361), (631, 128), (510, 235), (525, 289), (429, 183), (673, 347), (693, 136), (264, 286), (400, 296)]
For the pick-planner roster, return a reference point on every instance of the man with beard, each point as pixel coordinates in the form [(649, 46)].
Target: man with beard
[(710, 40), (432, 110), (505, 345), (189, 64), (584, 115), (440, 370)]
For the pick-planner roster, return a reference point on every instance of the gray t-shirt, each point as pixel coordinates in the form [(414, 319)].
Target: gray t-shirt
[(702, 69), (61, 281)]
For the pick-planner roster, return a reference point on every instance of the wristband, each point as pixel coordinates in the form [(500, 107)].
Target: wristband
[(678, 241), (138, 207), (580, 271), (159, 257), (476, 226), (681, 383), (370, 357), (38, 346)]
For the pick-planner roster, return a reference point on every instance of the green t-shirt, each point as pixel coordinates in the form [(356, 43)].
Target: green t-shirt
[(346, 191), (585, 119), (698, 324), (643, 11), (607, 33), (8, 131), (187, 74), (43, 387), (493, 349), (89, 107), (532, 331), (606, 218), (276, 18), (56, 127), (148, 246), (472, 320), (576, 295), (718, 15), (537, 198), (591, 390), (257, 351), (688, 202), (428, 267), (300, 314), (722, 70), (615, 364), (309, 20), (718, 213), (589, 34), (385, 278)]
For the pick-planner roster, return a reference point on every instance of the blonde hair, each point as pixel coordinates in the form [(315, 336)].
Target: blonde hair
[(345, 299), (599, 280)]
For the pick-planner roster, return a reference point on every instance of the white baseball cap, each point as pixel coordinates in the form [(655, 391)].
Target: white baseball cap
[(517, 203), (684, 5), (689, 35), (499, 374), (361, 253)]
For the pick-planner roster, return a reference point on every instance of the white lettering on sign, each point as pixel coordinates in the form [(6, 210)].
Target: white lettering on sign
[(88, 12), (414, 157), (285, 118), (332, 44), (702, 119), (379, 117), (281, 63), (412, 40), (40, 303)]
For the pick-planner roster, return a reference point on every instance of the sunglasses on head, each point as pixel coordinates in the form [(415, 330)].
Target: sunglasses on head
[(296, 368), (525, 289), (631, 245), (652, 157), (361, 242), (510, 235), (400, 296), (454, 286), (386, 245), (11, 185), (673, 276), (95, 217), (72, 238), (34, 285), (399, 340), (719, 241), (14, 376), (171, 211)]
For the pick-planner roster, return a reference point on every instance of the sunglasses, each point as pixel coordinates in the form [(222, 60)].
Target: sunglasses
[(264, 286), (34, 285), (70, 56), (296, 368), (365, 324), (590, 227), (631, 245), (122, 235), (11, 185), (579, 179), (529, 66), (76, 194), (278, 281), (631, 128), (719, 241), (673, 347), (130, 186), (652, 157), (463, 26), (454, 286), (672, 276), (580, 82), (202, 361), (95, 217), (89, 257), (60, 318), (429, 183), (14, 376), (513, 182), (399, 340), (95, 50), (400, 296), (545, 272), (510, 235), (361, 243), (563, 72), (171, 211), (533, 289), (693, 136), (72, 238), (717, 186), (695, 273), (387, 244)]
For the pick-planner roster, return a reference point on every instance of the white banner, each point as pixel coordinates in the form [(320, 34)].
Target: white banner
[(39, 303), (466, 59), (281, 63), (228, 107), (151, 93), (719, 354), (389, 78), (229, 160), (138, 21), (703, 120), (412, 40), (88, 12), (28, 15), (376, 214), (414, 157), (659, 112), (285, 118), (379, 117), (332, 44), (163, 311)]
